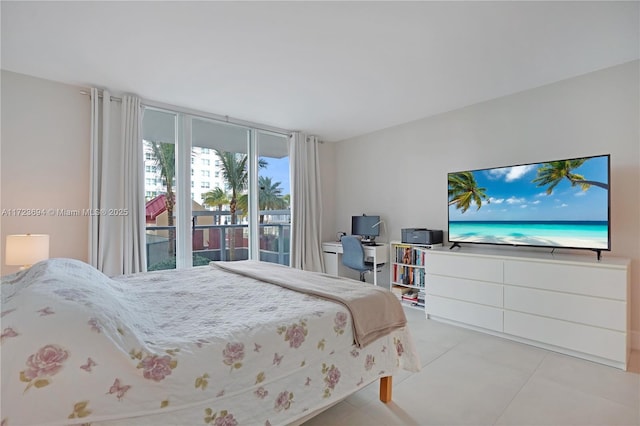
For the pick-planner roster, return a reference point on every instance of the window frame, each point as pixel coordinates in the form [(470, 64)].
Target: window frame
[(184, 182)]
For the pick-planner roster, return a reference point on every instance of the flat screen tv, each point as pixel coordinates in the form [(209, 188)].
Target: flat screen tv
[(556, 204)]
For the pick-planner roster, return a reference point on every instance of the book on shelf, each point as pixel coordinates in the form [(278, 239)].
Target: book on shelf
[(409, 275), (411, 295), (410, 255), (399, 291)]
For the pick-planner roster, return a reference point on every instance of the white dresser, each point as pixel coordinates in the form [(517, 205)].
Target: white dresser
[(567, 303)]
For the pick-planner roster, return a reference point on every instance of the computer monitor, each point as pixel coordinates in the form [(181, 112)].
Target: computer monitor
[(368, 227)]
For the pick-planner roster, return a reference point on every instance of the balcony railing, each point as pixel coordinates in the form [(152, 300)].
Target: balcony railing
[(222, 242)]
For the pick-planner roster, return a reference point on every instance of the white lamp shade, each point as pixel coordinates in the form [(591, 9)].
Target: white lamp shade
[(26, 249)]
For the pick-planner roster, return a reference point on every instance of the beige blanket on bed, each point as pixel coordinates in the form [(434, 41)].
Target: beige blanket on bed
[(375, 311)]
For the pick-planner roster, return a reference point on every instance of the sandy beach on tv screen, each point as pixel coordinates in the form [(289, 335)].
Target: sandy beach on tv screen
[(586, 243)]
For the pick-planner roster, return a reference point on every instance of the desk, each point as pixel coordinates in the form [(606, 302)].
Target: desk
[(332, 252)]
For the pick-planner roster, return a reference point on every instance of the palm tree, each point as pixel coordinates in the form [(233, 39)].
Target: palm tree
[(215, 198), (236, 176), (463, 190), (270, 195), (165, 154), (243, 206), (552, 174), (269, 198)]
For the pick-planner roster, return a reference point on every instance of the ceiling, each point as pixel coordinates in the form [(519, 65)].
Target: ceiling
[(333, 69)]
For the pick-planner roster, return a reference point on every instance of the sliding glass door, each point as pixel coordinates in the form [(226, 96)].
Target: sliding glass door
[(274, 197), (236, 182), (159, 145), (220, 186)]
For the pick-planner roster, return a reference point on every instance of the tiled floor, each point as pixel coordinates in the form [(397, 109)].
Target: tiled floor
[(471, 378)]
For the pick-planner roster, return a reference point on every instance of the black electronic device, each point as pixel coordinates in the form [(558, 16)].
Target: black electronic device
[(555, 204), (368, 227), (421, 236)]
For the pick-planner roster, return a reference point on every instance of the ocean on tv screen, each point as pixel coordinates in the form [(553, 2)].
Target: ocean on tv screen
[(556, 204), (591, 235)]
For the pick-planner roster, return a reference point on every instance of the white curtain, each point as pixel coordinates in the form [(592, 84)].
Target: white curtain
[(116, 226), (306, 209)]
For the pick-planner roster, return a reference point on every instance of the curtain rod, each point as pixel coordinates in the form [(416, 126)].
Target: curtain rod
[(113, 98), (200, 114)]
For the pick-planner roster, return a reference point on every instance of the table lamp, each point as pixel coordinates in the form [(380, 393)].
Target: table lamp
[(26, 249)]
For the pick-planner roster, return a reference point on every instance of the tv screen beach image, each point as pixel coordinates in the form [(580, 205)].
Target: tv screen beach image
[(552, 204)]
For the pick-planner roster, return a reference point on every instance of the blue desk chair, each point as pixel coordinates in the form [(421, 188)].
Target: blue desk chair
[(353, 256)]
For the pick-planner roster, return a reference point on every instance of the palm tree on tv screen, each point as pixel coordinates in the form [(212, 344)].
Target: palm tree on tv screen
[(463, 191), (554, 172)]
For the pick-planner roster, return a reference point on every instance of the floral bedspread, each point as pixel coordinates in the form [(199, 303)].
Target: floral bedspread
[(196, 346)]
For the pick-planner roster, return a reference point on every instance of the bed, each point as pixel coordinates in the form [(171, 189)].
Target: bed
[(214, 345)]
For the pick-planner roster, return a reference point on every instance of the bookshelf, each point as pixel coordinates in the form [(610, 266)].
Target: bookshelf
[(408, 272)]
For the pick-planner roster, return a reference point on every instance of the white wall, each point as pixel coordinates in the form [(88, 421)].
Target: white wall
[(400, 172), (44, 162)]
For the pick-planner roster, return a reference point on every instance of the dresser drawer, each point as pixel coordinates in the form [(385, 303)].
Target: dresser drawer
[(468, 313), (597, 281), (596, 341), (605, 313), (481, 292), (473, 268)]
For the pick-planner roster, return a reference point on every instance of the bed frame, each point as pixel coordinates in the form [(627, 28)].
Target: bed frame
[(385, 389)]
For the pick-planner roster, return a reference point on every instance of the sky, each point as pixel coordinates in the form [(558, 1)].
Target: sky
[(513, 196), (278, 170)]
